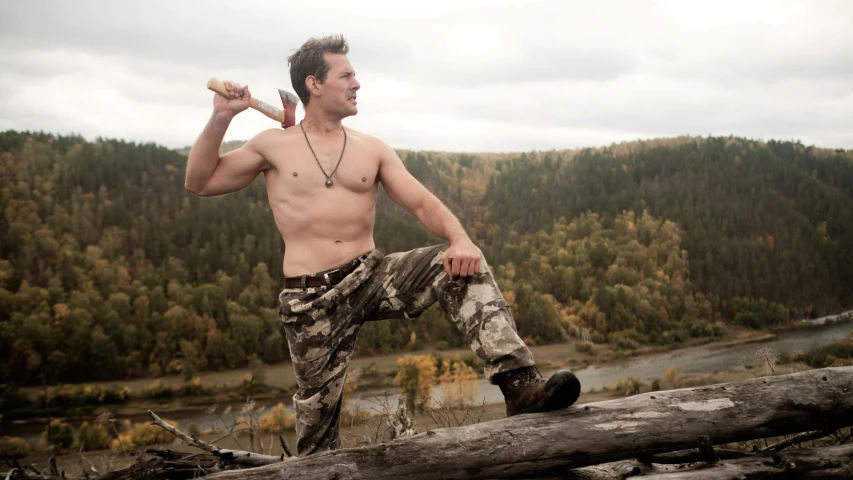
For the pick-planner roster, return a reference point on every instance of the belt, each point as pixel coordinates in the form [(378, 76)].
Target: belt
[(326, 278)]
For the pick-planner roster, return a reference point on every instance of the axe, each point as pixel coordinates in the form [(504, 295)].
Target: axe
[(286, 117)]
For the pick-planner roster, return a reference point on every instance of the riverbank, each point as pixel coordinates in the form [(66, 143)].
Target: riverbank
[(730, 359), (376, 373), (598, 367)]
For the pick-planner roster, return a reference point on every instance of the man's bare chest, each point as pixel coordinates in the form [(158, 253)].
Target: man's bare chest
[(301, 170)]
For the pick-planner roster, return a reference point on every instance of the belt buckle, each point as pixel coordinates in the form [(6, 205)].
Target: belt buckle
[(303, 279), (328, 280)]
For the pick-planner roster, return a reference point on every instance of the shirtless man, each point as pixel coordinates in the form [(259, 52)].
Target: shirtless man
[(322, 181)]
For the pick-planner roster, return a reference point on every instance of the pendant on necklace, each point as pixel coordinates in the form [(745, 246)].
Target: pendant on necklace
[(329, 183)]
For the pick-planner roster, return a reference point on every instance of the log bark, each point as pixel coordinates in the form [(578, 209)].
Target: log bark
[(592, 434), (819, 463)]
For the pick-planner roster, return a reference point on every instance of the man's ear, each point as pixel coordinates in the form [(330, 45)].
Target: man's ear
[(312, 84)]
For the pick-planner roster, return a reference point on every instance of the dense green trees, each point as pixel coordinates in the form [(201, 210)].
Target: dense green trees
[(761, 221), (110, 269)]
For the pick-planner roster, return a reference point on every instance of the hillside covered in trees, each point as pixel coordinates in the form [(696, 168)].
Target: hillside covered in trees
[(109, 269)]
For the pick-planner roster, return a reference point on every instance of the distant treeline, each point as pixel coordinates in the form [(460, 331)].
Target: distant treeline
[(110, 269)]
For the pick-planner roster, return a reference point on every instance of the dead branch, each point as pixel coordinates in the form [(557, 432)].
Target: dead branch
[(284, 446), (799, 438), (818, 463), (236, 457), (692, 456)]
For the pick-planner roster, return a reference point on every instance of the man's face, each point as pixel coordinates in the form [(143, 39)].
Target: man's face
[(338, 90)]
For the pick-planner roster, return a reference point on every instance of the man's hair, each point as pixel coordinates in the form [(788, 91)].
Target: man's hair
[(309, 61)]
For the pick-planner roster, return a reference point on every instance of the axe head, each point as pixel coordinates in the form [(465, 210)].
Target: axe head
[(289, 101)]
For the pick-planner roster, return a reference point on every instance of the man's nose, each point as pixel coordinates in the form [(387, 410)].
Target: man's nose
[(355, 85)]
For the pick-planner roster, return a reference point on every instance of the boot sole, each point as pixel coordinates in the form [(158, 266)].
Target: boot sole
[(563, 389)]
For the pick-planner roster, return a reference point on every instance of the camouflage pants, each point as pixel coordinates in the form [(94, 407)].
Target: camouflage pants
[(321, 324)]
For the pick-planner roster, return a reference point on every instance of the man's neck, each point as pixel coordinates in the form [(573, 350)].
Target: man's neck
[(320, 122)]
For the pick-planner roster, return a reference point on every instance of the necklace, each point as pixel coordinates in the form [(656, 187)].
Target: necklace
[(329, 181)]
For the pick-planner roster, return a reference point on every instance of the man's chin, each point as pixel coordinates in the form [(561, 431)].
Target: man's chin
[(349, 111)]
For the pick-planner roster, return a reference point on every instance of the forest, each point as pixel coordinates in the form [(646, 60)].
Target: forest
[(110, 269)]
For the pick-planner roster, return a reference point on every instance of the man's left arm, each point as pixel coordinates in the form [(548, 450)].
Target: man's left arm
[(462, 258)]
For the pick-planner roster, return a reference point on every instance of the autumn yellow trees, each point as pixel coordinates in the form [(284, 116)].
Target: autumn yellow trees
[(110, 269)]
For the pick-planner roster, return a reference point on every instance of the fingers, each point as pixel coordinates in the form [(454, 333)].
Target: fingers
[(461, 263), (456, 267), (469, 266), (447, 268), (237, 92), (474, 266)]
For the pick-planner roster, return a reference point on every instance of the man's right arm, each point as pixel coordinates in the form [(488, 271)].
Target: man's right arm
[(210, 174)]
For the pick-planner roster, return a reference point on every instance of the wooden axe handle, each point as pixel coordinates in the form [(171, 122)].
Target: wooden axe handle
[(275, 113)]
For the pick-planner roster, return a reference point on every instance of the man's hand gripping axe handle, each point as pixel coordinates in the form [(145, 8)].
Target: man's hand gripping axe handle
[(286, 117)]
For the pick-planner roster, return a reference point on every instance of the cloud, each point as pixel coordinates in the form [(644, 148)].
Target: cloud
[(473, 75)]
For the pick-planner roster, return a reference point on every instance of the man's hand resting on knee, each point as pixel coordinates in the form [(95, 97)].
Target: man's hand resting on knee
[(461, 259)]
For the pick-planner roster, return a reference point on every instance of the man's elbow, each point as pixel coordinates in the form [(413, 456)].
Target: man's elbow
[(196, 188)]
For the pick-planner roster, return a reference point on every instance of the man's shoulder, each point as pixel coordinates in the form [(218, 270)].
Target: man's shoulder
[(276, 134), (361, 136), (273, 138), (367, 140)]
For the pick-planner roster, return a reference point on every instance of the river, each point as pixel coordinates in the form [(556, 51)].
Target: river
[(689, 361)]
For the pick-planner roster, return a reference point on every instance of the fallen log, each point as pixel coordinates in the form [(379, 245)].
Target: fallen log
[(592, 434), (823, 463)]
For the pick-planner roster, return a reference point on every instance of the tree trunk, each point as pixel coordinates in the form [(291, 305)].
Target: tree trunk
[(592, 434)]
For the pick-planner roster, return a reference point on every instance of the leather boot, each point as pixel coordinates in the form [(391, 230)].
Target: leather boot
[(525, 391)]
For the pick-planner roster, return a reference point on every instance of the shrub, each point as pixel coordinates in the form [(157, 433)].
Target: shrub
[(698, 328), (13, 448), (278, 420), (251, 385), (826, 355), (584, 348), (416, 376), (64, 396), (92, 437), (718, 329), (58, 433), (749, 320), (142, 434), (628, 339), (158, 390), (116, 394), (671, 374), (13, 396), (195, 387), (628, 386), (458, 383), (623, 343), (92, 395)]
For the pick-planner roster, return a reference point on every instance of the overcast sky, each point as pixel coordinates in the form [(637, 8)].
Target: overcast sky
[(456, 75)]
